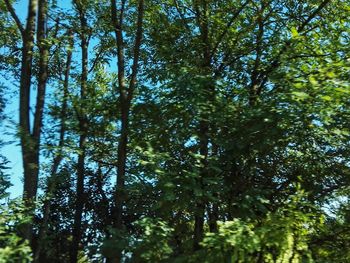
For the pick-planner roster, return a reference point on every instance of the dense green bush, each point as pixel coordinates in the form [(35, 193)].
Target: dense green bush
[(12, 248), (281, 237)]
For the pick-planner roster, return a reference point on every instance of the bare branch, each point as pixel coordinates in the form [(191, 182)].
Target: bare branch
[(182, 15), (122, 9), (229, 24), (96, 59), (314, 14), (254, 89), (301, 29), (14, 16), (137, 47), (117, 26)]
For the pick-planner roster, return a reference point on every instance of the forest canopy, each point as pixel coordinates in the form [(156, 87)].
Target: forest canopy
[(176, 131)]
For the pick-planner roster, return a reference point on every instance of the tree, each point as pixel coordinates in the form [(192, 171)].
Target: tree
[(126, 93), (30, 136), (187, 131)]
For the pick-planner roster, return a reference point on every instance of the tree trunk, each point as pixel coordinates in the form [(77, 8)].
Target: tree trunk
[(83, 127), (57, 159), (200, 205), (79, 205), (207, 95), (30, 139), (126, 95), (213, 213), (29, 143), (43, 69), (29, 149), (124, 110)]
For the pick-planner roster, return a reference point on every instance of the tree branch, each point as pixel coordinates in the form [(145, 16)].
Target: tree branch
[(277, 61), (254, 89), (228, 25), (137, 47), (312, 16), (117, 25), (14, 16), (182, 15), (96, 59)]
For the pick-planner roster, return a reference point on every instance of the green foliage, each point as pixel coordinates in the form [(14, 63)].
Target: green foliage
[(115, 243), (331, 242), (281, 236), (12, 247), (9, 41), (153, 244), (237, 131), (4, 177)]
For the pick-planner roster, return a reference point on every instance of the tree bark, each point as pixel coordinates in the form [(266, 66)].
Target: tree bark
[(208, 93), (29, 145), (256, 84), (117, 220), (30, 139), (83, 128), (126, 95), (51, 187)]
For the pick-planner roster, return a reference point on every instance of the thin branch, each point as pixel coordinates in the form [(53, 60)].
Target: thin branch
[(182, 15), (310, 56), (314, 14), (229, 24), (96, 59), (277, 61), (117, 25), (100, 184), (122, 9), (137, 47), (254, 89), (105, 163), (14, 16)]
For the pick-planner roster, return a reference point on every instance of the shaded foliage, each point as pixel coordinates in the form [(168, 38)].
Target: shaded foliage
[(213, 131)]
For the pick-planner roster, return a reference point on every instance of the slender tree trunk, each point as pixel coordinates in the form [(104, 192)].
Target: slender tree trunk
[(126, 95), (43, 69), (40, 99), (256, 81), (30, 139), (200, 204), (83, 127), (124, 111), (207, 95), (117, 213), (213, 217), (120, 190), (57, 159), (77, 233), (29, 149), (213, 209)]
